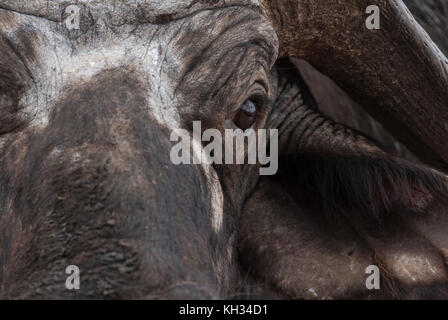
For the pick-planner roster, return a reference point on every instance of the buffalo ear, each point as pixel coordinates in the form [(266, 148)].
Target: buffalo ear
[(340, 169), (286, 245), (294, 251)]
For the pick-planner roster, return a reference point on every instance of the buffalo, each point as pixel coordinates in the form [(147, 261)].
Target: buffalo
[(92, 91)]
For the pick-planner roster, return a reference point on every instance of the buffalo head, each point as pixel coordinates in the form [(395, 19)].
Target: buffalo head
[(87, 117)]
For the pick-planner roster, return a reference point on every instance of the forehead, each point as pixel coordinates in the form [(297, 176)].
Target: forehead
[(148, 11), (162, 53)]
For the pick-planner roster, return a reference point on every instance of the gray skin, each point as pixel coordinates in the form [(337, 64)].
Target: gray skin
[(86, 178)]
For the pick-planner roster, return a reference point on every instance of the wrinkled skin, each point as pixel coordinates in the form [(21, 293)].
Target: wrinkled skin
[(86, 178)]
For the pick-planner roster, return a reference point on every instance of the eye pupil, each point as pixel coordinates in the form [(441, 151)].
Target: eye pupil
[(246, 116)]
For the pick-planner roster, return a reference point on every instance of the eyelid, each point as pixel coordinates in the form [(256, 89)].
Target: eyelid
[(261, 100), (258, 94), (263, 84)]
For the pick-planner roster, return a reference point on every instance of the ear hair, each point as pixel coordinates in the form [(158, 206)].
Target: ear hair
[(364, 185)]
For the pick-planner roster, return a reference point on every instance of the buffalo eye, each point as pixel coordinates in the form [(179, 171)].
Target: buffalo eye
[(246, 115)]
